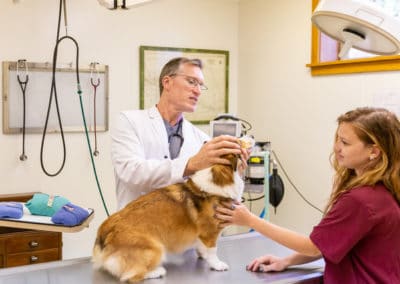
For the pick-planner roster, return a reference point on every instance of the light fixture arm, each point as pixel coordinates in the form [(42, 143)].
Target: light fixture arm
[(351, 38)]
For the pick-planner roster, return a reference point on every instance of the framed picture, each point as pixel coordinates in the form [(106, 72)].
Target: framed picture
[(212, 102)]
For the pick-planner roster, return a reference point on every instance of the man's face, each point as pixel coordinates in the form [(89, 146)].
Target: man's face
[(184, 88)]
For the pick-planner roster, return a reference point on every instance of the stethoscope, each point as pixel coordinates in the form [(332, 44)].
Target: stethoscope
[(176, 137), (94, 84), (53, 93), (23, 84)]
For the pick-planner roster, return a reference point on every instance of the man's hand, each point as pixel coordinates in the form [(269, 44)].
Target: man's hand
[(210, 153)]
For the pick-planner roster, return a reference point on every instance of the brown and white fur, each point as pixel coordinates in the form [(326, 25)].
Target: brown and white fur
[(132, 243)]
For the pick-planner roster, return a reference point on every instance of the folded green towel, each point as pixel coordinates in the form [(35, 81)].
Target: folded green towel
[(45, 205)]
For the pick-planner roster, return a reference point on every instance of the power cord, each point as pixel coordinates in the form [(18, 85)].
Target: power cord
[(292, 184), (246, 125), (250, 199)]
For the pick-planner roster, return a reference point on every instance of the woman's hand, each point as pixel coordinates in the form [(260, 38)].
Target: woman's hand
[(267, 263), (234, 213)]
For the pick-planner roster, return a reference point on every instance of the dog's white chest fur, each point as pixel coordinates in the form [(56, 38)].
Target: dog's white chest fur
[(204, 180)]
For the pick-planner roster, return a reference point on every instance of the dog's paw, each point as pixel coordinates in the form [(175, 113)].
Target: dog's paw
[(218, 265), (200, 254), (156, 273)]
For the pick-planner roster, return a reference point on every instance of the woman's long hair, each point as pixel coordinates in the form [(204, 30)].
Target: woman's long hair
[(373, 126)]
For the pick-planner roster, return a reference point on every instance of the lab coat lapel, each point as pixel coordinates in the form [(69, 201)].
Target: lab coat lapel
[(158, 128), (188, 142)]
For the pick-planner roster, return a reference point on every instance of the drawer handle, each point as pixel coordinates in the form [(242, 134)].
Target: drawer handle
[(34, 258), (33, 244)]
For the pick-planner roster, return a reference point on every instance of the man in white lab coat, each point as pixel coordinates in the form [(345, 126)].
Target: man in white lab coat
[(157, 147)]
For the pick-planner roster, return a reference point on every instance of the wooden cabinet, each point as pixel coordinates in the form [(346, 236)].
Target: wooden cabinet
[(22, 247)]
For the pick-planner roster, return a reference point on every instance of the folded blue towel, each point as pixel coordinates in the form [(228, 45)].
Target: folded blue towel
[(45, 205), (70, 215), (11, 210)]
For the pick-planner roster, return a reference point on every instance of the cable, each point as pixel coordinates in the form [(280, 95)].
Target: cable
[(292, 184), (91, 155), (256, 198), (79, 92), (246, 125), (295, 188), (250, 201)]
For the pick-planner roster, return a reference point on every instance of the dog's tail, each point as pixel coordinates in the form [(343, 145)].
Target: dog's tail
[(100, 244), (97, 257), (103, 259)]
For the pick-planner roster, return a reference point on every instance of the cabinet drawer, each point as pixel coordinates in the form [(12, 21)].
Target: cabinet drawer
[(2, 252), (32, 242), (17, 259), (2, 246)]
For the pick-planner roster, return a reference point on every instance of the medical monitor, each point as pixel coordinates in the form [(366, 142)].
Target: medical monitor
[(225, 127)]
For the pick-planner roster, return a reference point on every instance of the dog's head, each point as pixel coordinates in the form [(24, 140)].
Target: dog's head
[(220, 179)]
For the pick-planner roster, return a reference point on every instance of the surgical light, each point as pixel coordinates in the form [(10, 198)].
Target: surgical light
[(358, 25), (123, 4)]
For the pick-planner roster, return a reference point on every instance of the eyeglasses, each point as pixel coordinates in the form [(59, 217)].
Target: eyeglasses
[(193, 82)]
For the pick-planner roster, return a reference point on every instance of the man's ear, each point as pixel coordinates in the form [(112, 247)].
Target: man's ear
[(166, 82)]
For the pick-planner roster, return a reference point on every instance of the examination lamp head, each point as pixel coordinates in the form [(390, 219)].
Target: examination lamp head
[(359, 25)]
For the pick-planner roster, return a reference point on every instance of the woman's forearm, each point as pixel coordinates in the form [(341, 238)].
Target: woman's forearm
[(297, 242), (297, 259)]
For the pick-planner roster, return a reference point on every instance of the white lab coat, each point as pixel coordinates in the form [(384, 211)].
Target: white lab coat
[(140, 153)]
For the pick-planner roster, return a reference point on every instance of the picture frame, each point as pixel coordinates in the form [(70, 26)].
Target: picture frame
[(212, 102)]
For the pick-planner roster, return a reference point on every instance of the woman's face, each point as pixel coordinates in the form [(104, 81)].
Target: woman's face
[(350, 151)]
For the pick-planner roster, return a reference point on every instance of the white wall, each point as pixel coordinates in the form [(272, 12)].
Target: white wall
[(28, 30), (289, 107)]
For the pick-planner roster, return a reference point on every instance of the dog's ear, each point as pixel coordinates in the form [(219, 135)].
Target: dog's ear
[(223, 174), (233, 159), (234, 162)]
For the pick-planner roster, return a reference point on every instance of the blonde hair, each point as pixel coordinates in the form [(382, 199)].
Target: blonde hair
[(373, 126)]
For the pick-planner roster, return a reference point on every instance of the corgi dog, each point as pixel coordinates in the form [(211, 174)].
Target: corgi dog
[(131, 244)]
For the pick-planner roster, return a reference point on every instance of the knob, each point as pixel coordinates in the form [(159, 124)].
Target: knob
[(33, 244), (34, 258)]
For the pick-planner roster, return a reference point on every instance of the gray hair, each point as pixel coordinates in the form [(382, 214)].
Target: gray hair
[(172, 67)]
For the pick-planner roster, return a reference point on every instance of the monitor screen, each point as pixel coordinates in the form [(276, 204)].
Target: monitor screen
[(218, 128)]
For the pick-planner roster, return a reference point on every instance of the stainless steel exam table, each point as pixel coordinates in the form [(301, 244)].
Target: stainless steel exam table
[(236, 250)]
